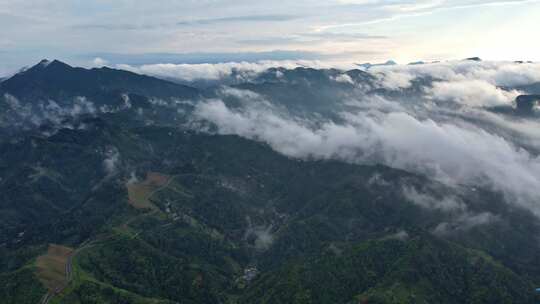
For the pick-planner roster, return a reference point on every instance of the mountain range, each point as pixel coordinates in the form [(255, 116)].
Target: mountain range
[(117, 187)]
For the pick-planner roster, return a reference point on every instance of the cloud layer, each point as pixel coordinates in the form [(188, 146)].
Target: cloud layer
[(446, 131), (218, 71)]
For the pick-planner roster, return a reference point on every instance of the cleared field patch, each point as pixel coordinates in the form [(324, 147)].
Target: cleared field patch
[(140, 193), (51, 267)]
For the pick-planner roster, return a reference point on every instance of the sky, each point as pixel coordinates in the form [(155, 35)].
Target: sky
[(136, 32)]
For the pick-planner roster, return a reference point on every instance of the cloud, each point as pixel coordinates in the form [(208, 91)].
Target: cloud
[(395, 80), (476, 83), (391, 11), (192, 72), (263, 237), (132, 179), (217, 26), (239, 19), (217, 71), (464, 144), (111, 161), (50, 113), (401, 235), (99, 62), (343, 78), (465, 222), (459, 216), (310, 38), (207, 57), (476, 93), (447, 204), (16, 106), (523, 132), (271, 41), (499, 74), (126, 101), (449, 149)]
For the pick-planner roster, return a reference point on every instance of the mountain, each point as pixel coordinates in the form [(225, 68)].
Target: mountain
[(120, 192), (533, 88), (307, 90), (59, 81), (526, 103), (393, 270), (370, 65), (52, 91)]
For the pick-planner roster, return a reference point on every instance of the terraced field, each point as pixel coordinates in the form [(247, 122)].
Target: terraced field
[(140, 193), (51, 267)]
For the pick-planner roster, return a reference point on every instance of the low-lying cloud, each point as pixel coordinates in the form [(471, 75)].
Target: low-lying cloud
[(217, 71), (476, 93), (503, 74), (447, 203), (435, 141), (27, 115), (111, 161)]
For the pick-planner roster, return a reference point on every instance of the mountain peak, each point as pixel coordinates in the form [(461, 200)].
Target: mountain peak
[(46, 63), (368, 65), (60, 81)]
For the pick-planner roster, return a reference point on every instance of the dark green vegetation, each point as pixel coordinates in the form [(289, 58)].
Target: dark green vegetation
[(239, 223), (21, 286), (421, 270), (58, 81)]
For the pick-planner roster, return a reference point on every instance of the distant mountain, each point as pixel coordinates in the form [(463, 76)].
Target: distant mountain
[(59, 81), (307, 90), (53, 94), (370, 65), (526, 103), (533, 88)]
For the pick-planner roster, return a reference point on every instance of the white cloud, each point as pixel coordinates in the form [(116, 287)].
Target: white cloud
[(190, 72), (343, 78), (448, 204), (460, 217), (503, 74), (99, 62), (30, 115), (207, 71), (475, 93), (394, 80), (522, 131), (401, 235), (455, 152), (110, 163), (465, 222), (132, 179)]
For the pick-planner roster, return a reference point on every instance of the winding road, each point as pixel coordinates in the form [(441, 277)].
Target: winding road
[(69, 274)]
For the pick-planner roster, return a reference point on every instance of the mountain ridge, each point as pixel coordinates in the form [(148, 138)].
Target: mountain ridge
[(61, 81)]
